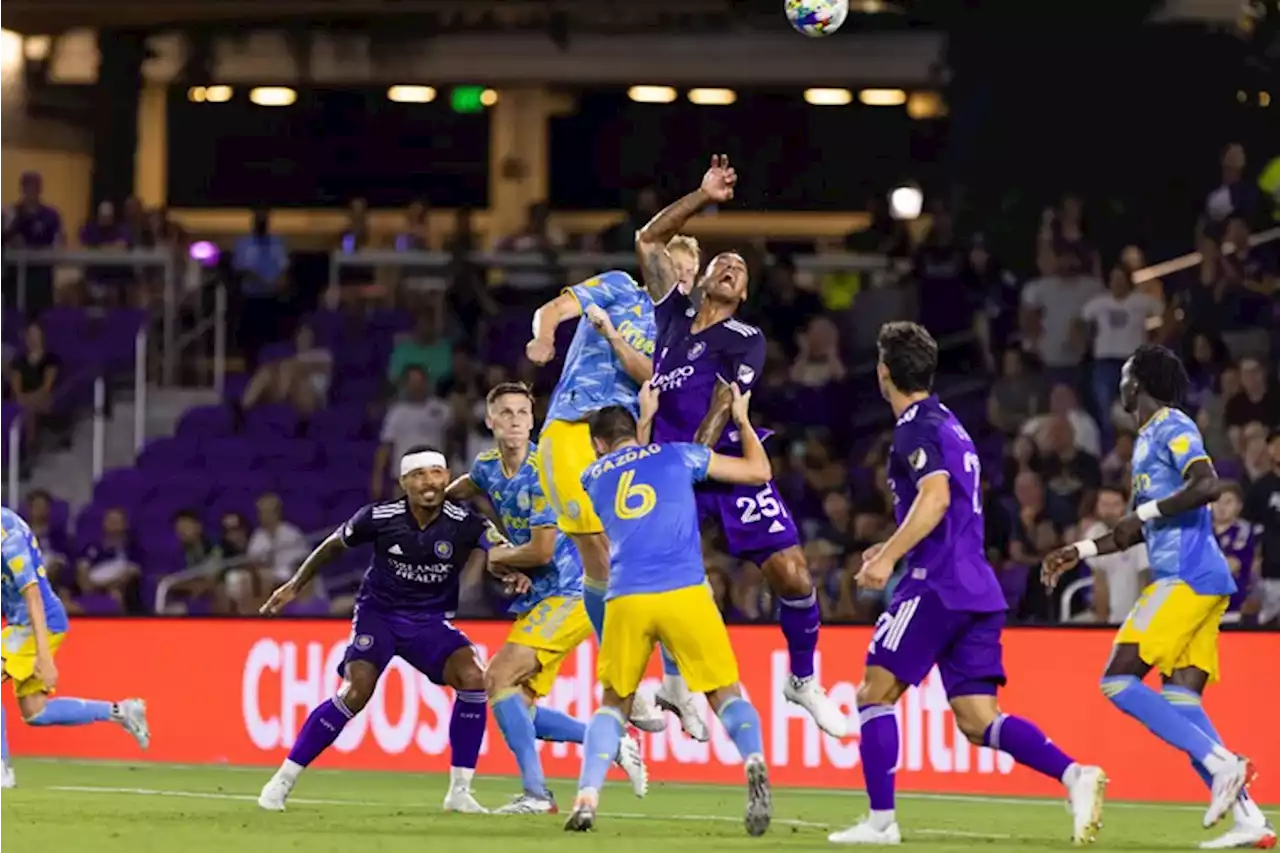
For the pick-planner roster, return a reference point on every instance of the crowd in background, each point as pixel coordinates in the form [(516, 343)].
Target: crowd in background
[(1047, 345)]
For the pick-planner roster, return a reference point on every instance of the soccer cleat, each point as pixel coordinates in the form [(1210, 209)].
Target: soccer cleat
[(527, 803), (645, 717), (1243, 837), (864, 832), (133, 718), (686, 710), (583, 816), (276, 792), (462, 801), (808, 694), (1227, 785), (1085, 796), (632, 763), (759, 797), (7, 778)]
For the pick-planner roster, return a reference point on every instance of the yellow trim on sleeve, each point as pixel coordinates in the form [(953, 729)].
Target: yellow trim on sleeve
[(569, 290), (1193, 460)]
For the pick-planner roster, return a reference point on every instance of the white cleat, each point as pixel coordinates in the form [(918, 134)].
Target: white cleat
[(1227, 785), (680, 703), (1242, 836), (632, 763), (864, 832), (7, 778), (645, 717), (276, 792), (462, 801), (1085, 796), (133, 718), (527, 803), (808, 694)]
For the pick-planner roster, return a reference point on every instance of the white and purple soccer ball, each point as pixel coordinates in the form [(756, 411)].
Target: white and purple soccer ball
[(817, 18)]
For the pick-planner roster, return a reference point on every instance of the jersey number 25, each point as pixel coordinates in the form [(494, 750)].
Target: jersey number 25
[(762, 505)]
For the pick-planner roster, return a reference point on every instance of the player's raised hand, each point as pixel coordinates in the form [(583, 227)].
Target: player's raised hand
[(648, 401), (539, 351), (740, 405), (282, 596), (1058, 563), (516, 583), (47, 672), (600, 321), (720, 179)]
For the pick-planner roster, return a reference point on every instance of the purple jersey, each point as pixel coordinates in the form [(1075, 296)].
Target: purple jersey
[(951, 562), (1239, 543), (688, 366), (414, 572)]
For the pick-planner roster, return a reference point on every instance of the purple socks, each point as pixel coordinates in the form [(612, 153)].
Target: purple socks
[(466, 728), (878, 749), (1028, 745), (320, 731), (799, 618)]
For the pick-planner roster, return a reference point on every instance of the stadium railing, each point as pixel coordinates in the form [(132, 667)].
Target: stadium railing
[(1189, 260), (65, 391)]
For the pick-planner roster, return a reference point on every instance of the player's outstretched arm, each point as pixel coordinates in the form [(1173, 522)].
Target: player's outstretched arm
[(542, 346), (1200, 487), (465, 489), (933, 499), (635, 364), (45, 668), (1127, 533), (535, 553), (718, 415), (656, 266), (753, 467), (324, 554)]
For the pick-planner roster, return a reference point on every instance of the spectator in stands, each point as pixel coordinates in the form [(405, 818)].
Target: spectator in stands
[(234, 543), (1262, 506), (201, 557), (1258, 463), (1248, 280), (110, 566), (946, 306), (998, 293), (1070, 475), (55, 546), (1239, 540), (1034, 536), (105, 231), (1119, 322), (536, 238), (1063, 231), (414, 234), (818, 362), (300, 379), (1204, 358), (621, 236), (1118, 579), (1063, 403), (784, 306), (32, 224), (32, 378), (1257, 401), (1117, 467), (262, 261), (355, 233), (416, 418), (1211, 418), (1233, 196), (1051, 309), (1016, 396), (277, 546), (425, 348)]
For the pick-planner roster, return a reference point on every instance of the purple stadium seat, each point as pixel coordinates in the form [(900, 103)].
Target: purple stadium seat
[(328, 327), (238, 500), (278, 419), (343, 505), (13, 325), (170, 454), (125, 487), (308, 516), (388, 322), (243, 480), (206, 422), (98, 604), (235, 385), (338, 423), (283, 457), (232, 453), (307, 607), (278, 351)]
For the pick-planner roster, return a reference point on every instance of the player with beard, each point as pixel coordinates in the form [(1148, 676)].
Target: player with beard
[(700, 353), (422, 545)]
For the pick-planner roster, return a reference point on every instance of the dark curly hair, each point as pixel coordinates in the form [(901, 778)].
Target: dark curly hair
[(911, 355), (1159, 373)]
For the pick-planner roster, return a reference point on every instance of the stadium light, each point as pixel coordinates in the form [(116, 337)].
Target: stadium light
[(651, 94), (828, 97), (925, 105), (10, 51), (37, 48), (883, 97), (198, 94), (411, 94), (712, 97), (273, 96), (218, 94), (488, 97), (906, 202)]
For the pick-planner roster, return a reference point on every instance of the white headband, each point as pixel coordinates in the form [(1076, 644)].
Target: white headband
[(425, 459)]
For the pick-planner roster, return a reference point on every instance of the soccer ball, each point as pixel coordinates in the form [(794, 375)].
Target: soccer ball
[(815, 18)]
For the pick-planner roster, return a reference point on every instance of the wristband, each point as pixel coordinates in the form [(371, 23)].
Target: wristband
[(1149, 510), (1086, 548)]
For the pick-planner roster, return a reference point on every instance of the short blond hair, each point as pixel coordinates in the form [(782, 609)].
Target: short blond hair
[(685, 243)]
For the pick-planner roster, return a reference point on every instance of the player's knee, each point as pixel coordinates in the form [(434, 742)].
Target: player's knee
[(502, 675), (32, 706), (354, 696), (788, 573)]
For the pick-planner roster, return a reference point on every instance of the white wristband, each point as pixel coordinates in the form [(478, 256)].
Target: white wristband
[(1086, 548), (1149, 510)]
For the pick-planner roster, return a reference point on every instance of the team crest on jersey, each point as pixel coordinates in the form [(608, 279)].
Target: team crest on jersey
[(745, 374), (522, 501), (696, 350), (444, 550), (364, 642), (918, 458), (690, 312), (1140, 450), (1180, 444)]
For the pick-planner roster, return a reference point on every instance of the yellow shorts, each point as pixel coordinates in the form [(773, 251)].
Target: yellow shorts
[(564, 452), (1175, 627), (686, 622), (553, 628), (18, 648)]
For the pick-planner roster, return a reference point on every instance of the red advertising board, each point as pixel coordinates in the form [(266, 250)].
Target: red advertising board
[(237, 691)]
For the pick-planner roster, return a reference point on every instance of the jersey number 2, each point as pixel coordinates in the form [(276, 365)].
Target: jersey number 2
[(762, 505), (973, 465), (633, 500)]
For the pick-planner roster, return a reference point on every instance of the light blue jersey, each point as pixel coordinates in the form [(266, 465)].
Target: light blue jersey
[(645, 499), (23, 566), (592, 377), (520, 503), (1184, 546)]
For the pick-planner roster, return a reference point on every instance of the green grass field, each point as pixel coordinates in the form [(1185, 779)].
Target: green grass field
[(105, 808)]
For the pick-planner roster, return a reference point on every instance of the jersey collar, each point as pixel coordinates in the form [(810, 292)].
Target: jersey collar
[(1154, 416)]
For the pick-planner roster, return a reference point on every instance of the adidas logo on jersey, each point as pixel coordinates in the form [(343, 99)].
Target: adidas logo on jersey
[(397, 550), (776, 527)]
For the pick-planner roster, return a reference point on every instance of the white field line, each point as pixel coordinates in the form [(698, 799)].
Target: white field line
[(698, 818)]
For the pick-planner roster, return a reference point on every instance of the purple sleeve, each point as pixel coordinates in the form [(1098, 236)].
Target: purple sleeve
[(745, 363), (360, 529), (919, 447), (484, 535)]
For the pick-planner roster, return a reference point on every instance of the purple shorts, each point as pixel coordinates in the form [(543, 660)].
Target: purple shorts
[(424, 644), (918, 632), (755, 520)]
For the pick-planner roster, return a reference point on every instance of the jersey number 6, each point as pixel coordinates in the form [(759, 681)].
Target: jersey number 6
[(633, 500)]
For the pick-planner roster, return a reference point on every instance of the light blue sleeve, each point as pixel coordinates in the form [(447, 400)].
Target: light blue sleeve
[(1185, 444), (696, 457), (479, 475), (20, 560), (601, 290), (540, 512)]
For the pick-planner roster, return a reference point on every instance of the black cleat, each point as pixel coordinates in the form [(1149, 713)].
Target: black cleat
[(759, 797)]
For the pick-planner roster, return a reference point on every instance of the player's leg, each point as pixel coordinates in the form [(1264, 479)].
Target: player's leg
[(464, 672), (1158, 633), (505, 676), (7, 779)]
